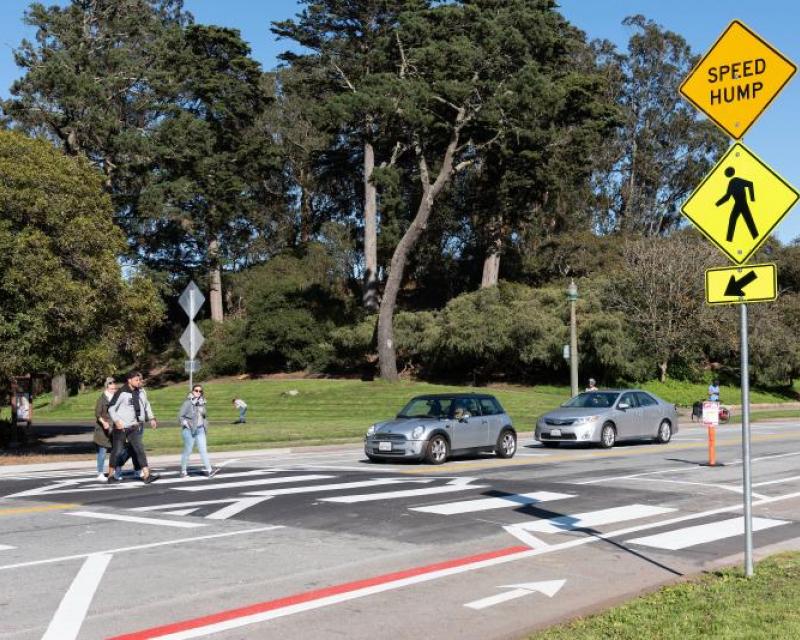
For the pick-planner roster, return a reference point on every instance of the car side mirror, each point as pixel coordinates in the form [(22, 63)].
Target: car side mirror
[(623, 405)]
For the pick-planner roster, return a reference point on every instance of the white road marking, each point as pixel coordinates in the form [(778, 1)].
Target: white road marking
[(548, 588), (235, 508), (780, 481), (254, 483), (703, 533), (181, 524), (225, 463), (67, 621), (181, 512), (458, 484), (51, 488), (204, 478), (151, 545), (592, 519), (6, 547), (726, 487), (485, 504), (338, 486)]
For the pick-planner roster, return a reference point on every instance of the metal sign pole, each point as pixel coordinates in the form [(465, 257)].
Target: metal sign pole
[(747, 479), (191, 344)]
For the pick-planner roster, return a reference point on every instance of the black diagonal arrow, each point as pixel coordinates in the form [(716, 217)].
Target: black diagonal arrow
[(736, 287)]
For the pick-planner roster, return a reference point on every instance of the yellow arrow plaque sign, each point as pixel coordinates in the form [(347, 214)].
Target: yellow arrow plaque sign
[(737, 79), (749, 283), (739, 203)]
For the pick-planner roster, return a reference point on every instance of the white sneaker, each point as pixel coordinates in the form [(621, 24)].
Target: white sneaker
[(101, 477), (184, 474)]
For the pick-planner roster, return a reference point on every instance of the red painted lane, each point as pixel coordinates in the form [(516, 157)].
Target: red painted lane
[(318, 594)]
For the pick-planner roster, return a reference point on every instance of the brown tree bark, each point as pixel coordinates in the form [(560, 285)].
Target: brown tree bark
[(491, 265), (370, 232), (215, 282), (59, 388), (387, 354)]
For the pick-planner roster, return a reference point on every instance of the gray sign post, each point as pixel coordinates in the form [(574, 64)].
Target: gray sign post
[(746, 477), (191, 300)]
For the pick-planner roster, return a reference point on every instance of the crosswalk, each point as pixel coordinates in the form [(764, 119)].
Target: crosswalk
[(536, 518)]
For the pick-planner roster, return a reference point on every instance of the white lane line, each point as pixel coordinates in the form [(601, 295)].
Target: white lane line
[(780, 481), (459, 484), (235, 508), (151, 545), (204, 478), (591, 519), (180, 524), (6, 547), (485, 504), (703, 533), (67, 621), (181, 512), (337, 486), (254, 483), (726, 487)]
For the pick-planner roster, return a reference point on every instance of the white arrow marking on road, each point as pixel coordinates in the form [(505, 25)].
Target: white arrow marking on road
[(254, 483), (548, 588), (485, 504), (458, 484), (234, 506), (338, 486)]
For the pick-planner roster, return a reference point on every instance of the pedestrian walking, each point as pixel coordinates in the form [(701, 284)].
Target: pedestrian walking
[(194, 423), (713, 391), (129, 411), (102, 428), (241, 405)]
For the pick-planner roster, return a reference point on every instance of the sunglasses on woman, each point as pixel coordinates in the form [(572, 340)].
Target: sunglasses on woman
[(197, 391)]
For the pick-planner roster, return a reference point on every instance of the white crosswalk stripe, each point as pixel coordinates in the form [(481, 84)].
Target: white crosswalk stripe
[(337, 486), (486, 504), (253, 483), (703, 533), (459, 484)]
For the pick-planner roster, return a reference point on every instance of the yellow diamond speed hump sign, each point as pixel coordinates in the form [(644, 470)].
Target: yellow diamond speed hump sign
[(739, 203), (737, 79), (748, 283)]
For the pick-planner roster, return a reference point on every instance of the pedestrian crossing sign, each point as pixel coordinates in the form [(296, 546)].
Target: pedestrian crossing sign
[(744, 284), (739, 203), (737, 79)]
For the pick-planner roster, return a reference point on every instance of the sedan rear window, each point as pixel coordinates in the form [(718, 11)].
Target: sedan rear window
[(426, 408), (600, 399)]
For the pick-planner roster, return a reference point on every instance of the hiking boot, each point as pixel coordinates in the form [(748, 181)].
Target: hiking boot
[(151, 477)]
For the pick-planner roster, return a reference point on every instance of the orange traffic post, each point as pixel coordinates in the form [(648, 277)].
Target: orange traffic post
[(712, 444)]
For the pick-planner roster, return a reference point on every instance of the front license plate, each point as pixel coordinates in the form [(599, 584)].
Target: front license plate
[(384, 446), (555, 433)]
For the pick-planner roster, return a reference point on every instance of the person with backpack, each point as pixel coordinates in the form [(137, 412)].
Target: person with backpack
[(129, 409), (192, 417)]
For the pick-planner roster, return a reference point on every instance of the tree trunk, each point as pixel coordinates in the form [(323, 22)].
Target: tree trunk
[(59, 388), (662, 368), (304, 231), (215, 282), (491, 265), (370, 232), (387, 355)]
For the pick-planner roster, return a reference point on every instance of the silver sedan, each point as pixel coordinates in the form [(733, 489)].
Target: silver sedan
[(609, 416)]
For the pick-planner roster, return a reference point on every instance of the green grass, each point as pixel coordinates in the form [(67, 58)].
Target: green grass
[(328, 411), (723, 605)]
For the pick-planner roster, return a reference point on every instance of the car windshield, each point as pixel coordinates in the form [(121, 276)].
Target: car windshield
[(600, 399), (426, 408)]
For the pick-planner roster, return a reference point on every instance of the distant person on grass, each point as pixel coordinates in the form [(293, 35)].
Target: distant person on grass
[(129, 410), (241, 405), (192, 417)]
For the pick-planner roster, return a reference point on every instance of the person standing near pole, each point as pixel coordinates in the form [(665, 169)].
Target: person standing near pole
[(129, 411), (192, 417)]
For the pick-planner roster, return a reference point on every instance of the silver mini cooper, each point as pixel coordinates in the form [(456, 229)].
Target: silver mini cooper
[(432, 427)]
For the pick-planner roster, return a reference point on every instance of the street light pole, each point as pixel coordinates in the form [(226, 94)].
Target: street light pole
[(572, 296)]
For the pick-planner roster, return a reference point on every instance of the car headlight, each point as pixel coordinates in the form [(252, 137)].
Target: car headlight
[(586, 419), (371, 430), (416, 434)]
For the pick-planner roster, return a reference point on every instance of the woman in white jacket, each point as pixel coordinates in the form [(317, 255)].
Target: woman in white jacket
[(193, 422)]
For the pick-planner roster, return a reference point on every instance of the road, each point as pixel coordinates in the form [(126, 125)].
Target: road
[(319, 543)]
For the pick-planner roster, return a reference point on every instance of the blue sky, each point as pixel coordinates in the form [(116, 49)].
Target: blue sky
[(775, 137)]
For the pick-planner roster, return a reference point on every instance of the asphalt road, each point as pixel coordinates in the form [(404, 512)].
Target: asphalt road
[(319, 543)]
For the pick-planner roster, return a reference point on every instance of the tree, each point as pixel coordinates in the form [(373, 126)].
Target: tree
[(64, 306), (211, 193), (663, 148)]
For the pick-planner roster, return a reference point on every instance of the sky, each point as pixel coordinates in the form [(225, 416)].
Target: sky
[(775, 137)]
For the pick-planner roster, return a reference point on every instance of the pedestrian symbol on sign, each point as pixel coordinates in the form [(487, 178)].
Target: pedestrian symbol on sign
[(738, 188)]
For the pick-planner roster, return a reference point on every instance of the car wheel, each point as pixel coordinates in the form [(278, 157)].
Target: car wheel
[(608, 436), (664, 432), (437, 450), (506, 445)]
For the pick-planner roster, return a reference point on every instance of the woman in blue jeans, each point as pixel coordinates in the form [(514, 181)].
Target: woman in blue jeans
[(193, 422)]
